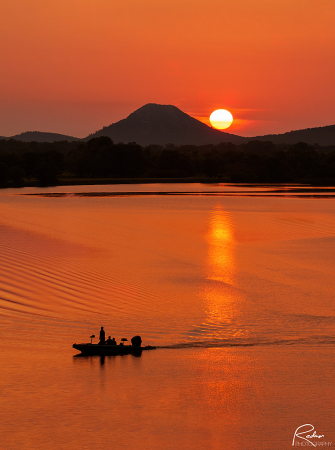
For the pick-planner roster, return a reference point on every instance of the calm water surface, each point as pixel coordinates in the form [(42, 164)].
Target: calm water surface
[(234, 284)]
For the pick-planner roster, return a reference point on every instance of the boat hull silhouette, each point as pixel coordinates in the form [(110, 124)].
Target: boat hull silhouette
[(96, 349)]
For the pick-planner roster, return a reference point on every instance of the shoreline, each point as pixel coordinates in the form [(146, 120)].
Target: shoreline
[(109, 181), (188, 180)]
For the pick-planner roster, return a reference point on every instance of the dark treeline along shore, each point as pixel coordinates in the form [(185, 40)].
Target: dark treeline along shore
[(100, 161)]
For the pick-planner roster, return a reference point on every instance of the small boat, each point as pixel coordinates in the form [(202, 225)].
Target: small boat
[(121, 349), (96, 349)]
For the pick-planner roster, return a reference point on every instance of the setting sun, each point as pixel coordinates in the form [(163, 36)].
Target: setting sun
[(221, 119)]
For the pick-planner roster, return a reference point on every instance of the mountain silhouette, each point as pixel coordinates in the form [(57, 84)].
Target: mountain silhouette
[(319, 135), (164, 124), (40, 136), (167, 124)]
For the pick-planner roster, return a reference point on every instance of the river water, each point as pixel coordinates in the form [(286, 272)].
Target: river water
[(234, 284)]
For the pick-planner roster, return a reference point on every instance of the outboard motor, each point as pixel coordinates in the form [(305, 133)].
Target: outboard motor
[(136, 341)]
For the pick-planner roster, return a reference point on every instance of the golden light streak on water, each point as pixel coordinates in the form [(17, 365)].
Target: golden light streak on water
[(220, 238), (221, 295)]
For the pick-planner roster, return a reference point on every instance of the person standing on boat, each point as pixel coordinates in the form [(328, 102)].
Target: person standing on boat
[(102, 336)]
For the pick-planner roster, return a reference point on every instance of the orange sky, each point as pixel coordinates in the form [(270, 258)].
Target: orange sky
[(73, 66)]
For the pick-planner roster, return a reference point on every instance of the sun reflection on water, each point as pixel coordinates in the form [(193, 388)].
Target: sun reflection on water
[(220, 237), (222, 297)]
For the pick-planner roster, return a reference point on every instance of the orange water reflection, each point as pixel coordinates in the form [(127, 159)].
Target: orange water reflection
[(224, 379), (220, 237), (221, 294)]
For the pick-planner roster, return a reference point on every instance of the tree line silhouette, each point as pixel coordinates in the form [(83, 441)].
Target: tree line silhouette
[(47, 164)]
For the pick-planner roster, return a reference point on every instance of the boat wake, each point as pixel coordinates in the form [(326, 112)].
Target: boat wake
[(313, 340)]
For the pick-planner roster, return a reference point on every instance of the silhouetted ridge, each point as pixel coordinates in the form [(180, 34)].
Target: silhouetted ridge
[(40, 136), (319, 135), (164, 124)]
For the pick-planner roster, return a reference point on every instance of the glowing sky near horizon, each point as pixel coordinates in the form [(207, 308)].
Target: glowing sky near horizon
[(75, 66)]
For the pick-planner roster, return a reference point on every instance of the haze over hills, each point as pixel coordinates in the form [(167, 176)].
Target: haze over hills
[(167, 124), (164, 124)]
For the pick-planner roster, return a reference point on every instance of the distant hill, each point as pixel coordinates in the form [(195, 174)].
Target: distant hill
[(40, 136), (164, 124), (320, 135)]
